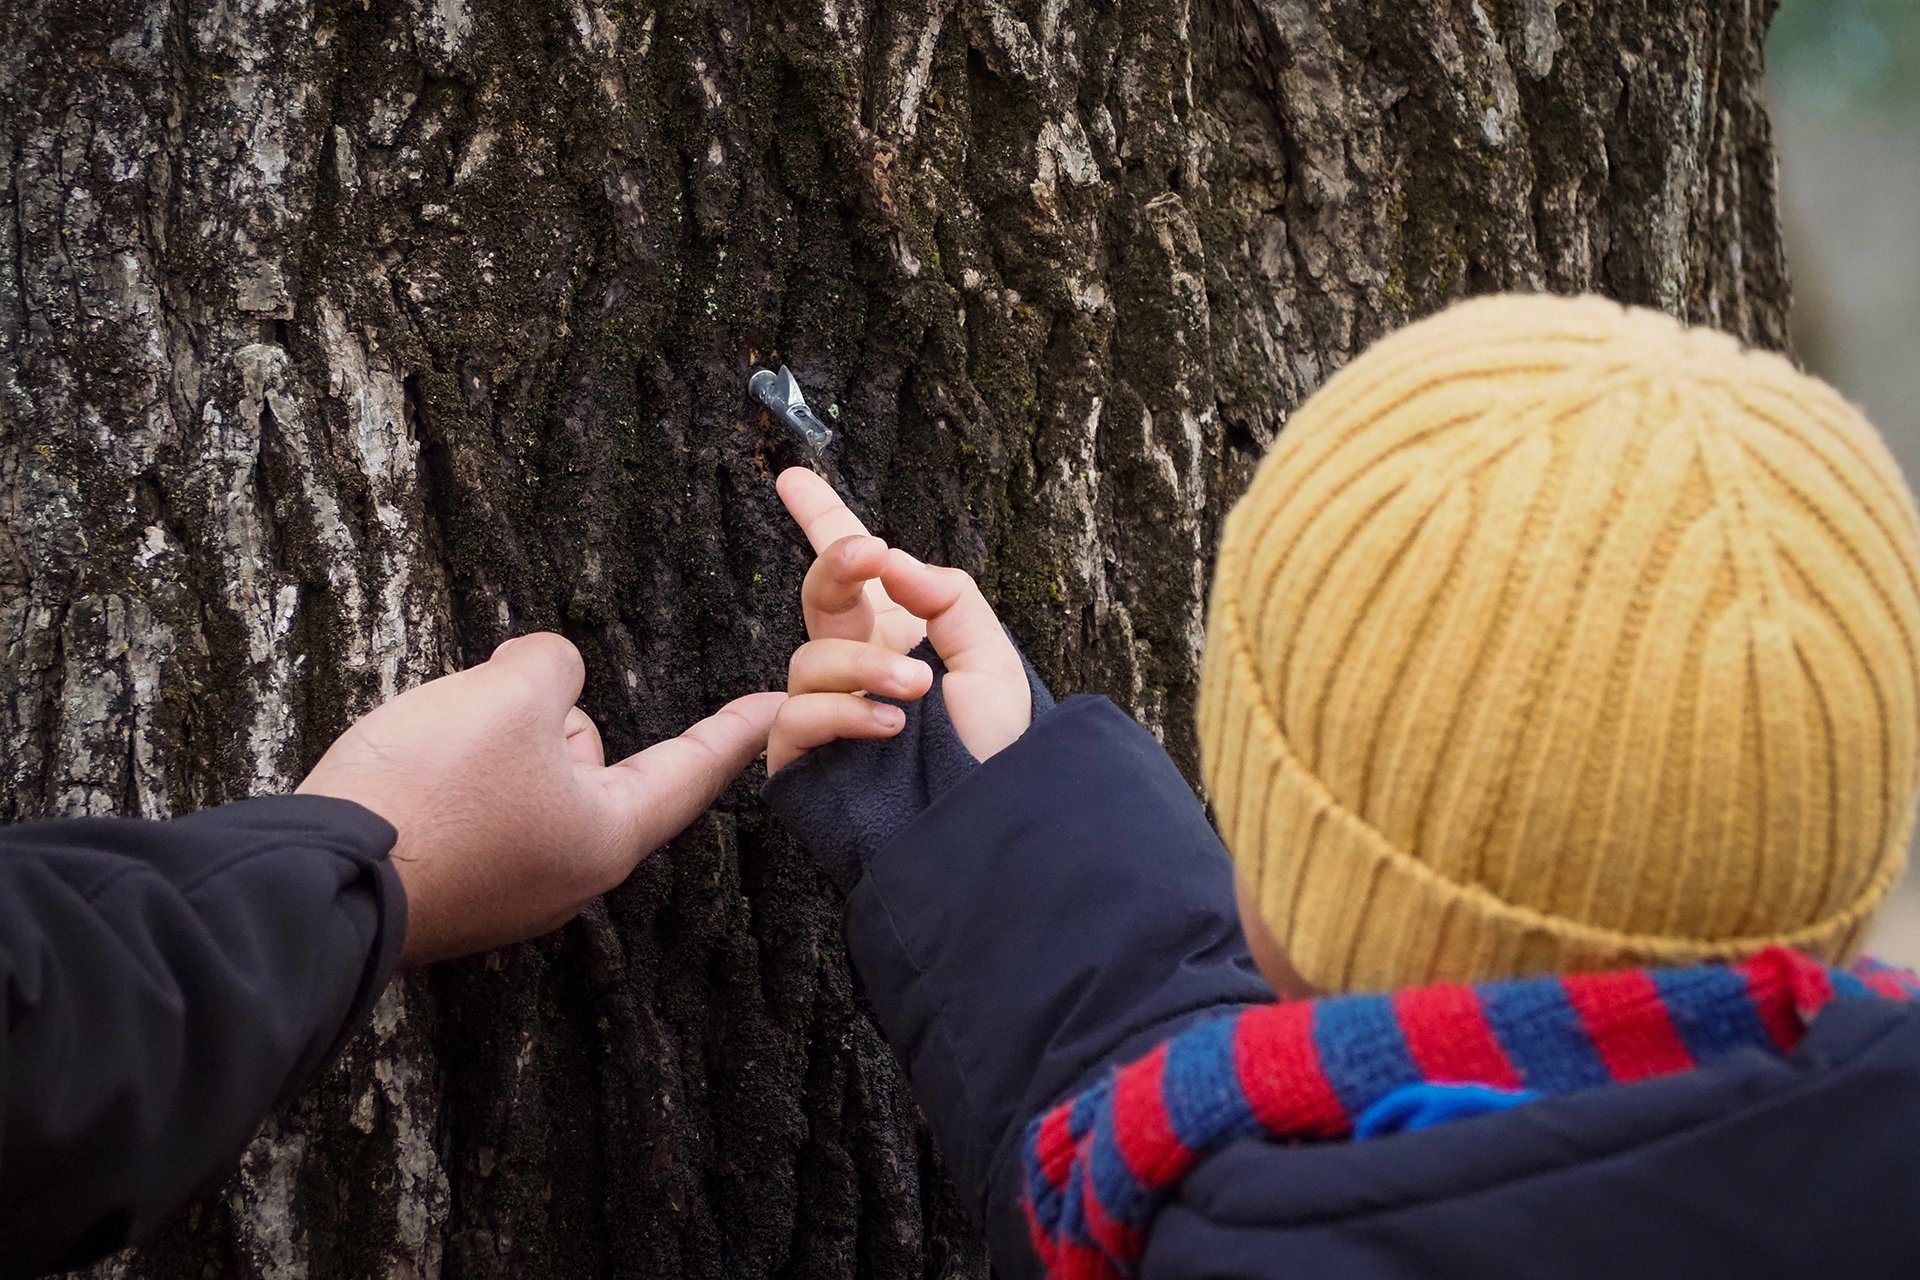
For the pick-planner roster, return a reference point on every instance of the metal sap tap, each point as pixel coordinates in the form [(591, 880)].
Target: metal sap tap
[(780, 393)]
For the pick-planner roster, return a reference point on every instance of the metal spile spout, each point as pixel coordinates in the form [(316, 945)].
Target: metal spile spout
[(780, 393)]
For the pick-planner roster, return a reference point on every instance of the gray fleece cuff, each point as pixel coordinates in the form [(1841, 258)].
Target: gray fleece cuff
[(845, 800)]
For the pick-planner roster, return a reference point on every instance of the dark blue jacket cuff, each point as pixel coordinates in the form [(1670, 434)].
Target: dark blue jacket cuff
[(1059, 910)]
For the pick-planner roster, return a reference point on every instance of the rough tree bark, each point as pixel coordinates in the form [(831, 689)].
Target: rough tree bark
[(340, 340)]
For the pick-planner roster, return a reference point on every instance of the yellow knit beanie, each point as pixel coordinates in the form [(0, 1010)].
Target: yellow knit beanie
[(1553, 635)]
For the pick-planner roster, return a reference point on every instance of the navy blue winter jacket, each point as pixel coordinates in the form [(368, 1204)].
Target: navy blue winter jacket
[(1023, 925), (167, 985)]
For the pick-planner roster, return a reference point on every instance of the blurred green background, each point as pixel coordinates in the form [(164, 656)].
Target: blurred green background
[(1844, 80)]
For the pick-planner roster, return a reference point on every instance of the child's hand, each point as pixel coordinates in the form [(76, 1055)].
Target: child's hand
[(866, 606)]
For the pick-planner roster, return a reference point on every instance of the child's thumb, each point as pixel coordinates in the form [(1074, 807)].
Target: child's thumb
[(961, 625)]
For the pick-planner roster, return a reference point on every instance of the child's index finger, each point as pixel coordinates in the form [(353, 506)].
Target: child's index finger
[(820, 512)]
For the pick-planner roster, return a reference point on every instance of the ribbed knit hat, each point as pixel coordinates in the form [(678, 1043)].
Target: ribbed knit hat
[(1554, 636)]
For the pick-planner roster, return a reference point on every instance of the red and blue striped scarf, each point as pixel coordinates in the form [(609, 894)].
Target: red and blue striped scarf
[(1101, 1163)]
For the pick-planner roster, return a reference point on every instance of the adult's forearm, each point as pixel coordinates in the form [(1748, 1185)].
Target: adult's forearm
[(167, 985)]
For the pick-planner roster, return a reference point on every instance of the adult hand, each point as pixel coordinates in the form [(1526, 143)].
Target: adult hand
[(866, 606), (510, 819)]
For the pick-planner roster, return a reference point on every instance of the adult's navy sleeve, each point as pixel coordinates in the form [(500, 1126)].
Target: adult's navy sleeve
[(167, 985), (1057, 911)]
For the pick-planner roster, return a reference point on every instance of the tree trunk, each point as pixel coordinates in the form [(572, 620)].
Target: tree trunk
[(343, 340)]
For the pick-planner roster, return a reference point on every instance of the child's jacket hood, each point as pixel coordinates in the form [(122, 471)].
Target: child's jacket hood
[(1031, 922), (1102, 1165)]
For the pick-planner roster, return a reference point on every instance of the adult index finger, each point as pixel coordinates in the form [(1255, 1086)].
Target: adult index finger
[(662, 789)]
